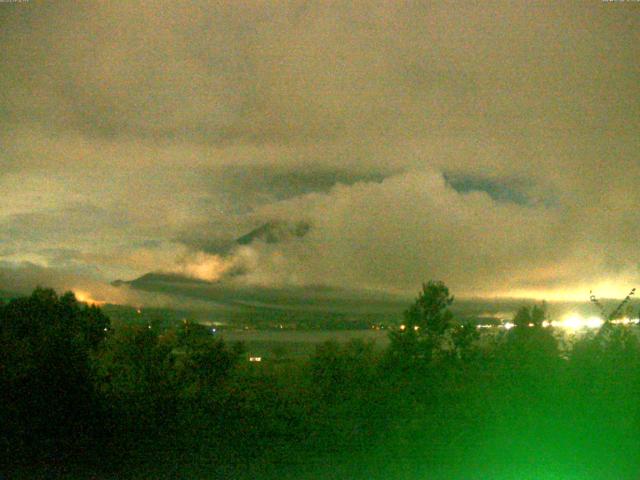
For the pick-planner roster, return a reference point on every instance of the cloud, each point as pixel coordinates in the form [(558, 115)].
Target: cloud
[(394, 234), (408, 228), (492, 145), (22, 277)]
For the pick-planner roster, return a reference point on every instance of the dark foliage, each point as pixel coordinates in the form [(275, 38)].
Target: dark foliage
[(48, 399), (441, 402)]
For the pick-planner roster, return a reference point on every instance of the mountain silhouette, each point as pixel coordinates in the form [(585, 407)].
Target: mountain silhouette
[(275, 232), (272, 232)]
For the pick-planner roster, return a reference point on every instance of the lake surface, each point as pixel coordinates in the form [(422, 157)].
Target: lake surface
[(296, 343)]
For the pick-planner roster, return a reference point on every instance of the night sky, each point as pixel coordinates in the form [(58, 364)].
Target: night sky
[(494, 146)]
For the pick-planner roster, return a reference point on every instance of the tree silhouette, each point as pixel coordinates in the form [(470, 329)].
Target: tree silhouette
[(526, 317), (464, 338), (522, 318), (422, 335), (46, 342)]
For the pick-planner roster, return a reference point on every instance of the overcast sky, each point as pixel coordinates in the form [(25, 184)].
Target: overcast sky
[(492, 145)]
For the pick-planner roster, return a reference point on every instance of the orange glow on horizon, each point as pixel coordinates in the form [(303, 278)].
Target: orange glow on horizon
[(602, 290), (86, 297)]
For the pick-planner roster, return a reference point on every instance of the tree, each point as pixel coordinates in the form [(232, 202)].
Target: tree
[(426, 324), (522, 318), (133, 375), (203, 360), (46, 342), (337, 370), (430, 312), (538, 314), (529, 348), (464, 338), (535, 316)]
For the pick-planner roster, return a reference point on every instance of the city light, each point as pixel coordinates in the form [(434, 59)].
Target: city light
[(570, 322), (594, 322), (576, 321)]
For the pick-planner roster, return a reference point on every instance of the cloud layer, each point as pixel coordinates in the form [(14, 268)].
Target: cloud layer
[(494, 146)]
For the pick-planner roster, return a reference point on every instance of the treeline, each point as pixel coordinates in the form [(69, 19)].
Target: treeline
[(81, 399)]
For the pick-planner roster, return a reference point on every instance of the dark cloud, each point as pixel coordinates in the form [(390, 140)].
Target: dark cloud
[(501, 190)]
